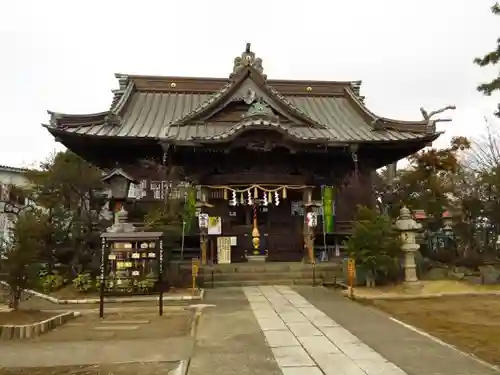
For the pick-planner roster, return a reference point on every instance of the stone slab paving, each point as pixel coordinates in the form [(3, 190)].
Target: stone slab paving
[(304, 340), (229, 340)]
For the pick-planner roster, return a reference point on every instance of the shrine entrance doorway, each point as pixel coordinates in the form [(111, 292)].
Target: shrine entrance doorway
[(281, 233)]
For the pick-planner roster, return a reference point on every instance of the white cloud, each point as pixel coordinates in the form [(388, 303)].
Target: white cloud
[(61, 55)]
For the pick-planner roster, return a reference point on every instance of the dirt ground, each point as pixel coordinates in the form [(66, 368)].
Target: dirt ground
[(22, 317), (472, 323), (126, 325), (69, 292), (157, 368)]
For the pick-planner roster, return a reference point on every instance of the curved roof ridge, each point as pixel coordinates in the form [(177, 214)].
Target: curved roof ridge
[(131, 77), (233, 84), (77, 115), (387, 122), (212, 99), (111, 116), (121, 98), (258, 122), (77, 120)]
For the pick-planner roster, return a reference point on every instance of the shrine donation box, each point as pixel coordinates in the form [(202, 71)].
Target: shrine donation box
[(132, 263)]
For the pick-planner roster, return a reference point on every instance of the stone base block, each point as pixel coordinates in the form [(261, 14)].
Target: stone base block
[(256, 258)]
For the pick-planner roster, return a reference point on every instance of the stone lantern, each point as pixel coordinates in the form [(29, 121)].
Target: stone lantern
[(408, 228), (119, 183)]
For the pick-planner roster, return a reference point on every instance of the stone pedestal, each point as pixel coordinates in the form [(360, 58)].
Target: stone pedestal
[(410, 266), (409, 228), (121, 224), (256, 258)]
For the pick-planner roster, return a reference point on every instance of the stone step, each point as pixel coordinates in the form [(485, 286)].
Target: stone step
[(271, 268), (237, 276), (233, 283)]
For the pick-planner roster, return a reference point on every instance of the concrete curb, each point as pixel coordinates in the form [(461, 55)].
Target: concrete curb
[(110, 299), (425, 296), (184, 365), (29, 331), (181, 369)]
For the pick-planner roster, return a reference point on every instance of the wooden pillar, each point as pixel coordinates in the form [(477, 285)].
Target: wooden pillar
[(391, 172), (212, 252), (307, 232), (203, 231)]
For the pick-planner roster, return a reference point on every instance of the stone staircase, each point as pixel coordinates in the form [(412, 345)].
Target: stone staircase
[(268, 273)]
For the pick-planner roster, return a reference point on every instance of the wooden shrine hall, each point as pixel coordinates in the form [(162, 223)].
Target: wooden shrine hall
[(262, 152)]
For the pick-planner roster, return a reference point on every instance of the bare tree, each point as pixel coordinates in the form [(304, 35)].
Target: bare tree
[(484, 154)]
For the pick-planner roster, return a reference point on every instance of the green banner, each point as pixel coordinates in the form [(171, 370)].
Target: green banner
[(328, 209)]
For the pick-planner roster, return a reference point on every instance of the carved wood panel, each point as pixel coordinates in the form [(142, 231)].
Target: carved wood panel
[(234, 112)]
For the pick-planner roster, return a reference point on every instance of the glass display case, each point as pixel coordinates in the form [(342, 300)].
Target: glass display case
[(132, 264)]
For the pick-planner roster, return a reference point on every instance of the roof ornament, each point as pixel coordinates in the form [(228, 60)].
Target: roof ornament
[(247, 59), (431, 123), (249, 96), (112, 119), (259, 109)]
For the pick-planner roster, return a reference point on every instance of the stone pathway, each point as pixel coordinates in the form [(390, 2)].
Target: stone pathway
[(304, 340), (229, 340)]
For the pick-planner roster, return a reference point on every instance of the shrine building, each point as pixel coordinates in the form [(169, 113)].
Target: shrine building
[(261, 152)]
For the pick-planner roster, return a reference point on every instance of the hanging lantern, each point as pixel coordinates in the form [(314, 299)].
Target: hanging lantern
[(284, 192), (265, 201), (312, 219), (225, 193), (242, 198), (249, 201), (255, 193)]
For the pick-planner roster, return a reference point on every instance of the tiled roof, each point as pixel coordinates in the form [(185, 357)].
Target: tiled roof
[(331, 112), (152, 115), (421, 214), (13, 169)]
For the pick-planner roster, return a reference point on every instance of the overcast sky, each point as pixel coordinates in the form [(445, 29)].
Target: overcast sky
[(61, 55)]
